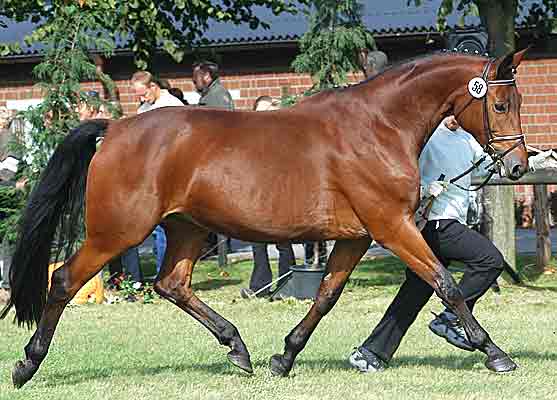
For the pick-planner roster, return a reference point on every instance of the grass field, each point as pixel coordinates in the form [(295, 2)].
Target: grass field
[(155, 351)]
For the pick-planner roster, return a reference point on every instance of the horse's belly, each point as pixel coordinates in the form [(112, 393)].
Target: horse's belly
[(327, 220)]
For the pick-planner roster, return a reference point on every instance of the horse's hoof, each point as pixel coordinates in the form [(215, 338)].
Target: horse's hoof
[(241, 360), (22, 372), (277, 366), (501, 364)]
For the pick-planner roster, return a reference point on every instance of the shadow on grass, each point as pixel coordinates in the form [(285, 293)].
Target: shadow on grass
[(527, 286), (215, 284), (458, 361), (467, 362), (387, 271), (91, 374)]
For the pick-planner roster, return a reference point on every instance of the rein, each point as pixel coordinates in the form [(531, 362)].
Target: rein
[(497, 158)]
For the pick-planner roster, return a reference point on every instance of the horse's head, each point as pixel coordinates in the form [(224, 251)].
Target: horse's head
[(494, 118)]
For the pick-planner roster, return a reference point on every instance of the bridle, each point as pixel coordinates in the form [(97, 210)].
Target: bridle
[(518, 138), (496, 157)]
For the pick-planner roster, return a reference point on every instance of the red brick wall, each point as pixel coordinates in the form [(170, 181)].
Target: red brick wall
[(537, 81)]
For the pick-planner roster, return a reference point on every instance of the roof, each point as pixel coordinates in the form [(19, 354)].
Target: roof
[(384, 18)]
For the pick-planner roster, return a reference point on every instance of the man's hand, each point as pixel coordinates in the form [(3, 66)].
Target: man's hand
[(451, 123), (435, 188)]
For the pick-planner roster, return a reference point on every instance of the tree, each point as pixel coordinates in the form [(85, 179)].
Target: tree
[(498, 17), (329, 49)]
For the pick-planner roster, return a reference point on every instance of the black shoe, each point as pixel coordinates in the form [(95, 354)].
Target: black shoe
[(448, 326), (366, 361)]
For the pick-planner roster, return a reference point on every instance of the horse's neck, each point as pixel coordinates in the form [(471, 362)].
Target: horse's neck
[(420, 96)]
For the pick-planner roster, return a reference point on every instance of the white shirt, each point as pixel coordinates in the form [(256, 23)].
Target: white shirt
[(165, 100), (451, 153)]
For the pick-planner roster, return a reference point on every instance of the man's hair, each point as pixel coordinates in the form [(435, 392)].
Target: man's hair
[(146, 78), (177, 92), (143, 77), (208, 66), (264, 98), (162, 83)]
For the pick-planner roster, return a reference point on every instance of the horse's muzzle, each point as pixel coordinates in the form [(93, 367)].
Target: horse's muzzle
[(514, 170)]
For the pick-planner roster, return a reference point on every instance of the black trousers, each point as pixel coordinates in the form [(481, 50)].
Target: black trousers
[(450, 241), (309, 252), (262, 274)]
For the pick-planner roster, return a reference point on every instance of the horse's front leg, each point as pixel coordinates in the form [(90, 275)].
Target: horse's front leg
[(406, 241), (342, 261)]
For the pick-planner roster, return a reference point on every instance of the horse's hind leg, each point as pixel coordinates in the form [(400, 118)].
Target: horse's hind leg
[(65, 283), (410, 246), (342, 261), (184, 245)]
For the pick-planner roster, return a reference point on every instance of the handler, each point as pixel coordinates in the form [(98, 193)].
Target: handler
[(449, 152)]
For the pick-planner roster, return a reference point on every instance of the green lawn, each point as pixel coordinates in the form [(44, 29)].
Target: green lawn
[(155, 351)]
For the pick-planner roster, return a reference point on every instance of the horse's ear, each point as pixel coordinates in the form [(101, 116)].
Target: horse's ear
[(518, 56), (506, 65)]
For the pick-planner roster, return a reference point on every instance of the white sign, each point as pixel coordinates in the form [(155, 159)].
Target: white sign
[(477, 87)]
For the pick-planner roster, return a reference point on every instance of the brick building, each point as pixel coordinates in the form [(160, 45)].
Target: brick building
[(257, 62)]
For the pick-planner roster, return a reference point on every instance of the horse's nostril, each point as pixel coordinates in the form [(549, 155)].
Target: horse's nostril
[(517, 170)]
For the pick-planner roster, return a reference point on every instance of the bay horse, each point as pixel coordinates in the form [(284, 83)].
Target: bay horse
[(342, 164)]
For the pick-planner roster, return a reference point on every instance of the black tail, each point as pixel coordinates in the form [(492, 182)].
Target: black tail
[(51, 221)]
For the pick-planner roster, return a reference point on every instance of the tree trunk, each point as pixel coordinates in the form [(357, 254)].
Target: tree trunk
[(499, 223), (498, 17), (543, 239), (498, 220)]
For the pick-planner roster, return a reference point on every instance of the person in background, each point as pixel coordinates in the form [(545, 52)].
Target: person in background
[(153, 96), (262, 275), (9, 161), (372, 62), (309, 253), (129, 260), (206, 80)]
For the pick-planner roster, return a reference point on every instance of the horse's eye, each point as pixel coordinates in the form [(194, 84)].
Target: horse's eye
[(500, 107)]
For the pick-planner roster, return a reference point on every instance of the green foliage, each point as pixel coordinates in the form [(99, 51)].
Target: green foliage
[(329, 49), (67, 40), (11, 202), (146, 25), (540, 14), (134, 291)]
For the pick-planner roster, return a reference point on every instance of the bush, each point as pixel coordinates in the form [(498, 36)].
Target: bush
[(11, 203)]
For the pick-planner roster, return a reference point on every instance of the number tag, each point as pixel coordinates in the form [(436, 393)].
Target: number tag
[(477, 87)]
